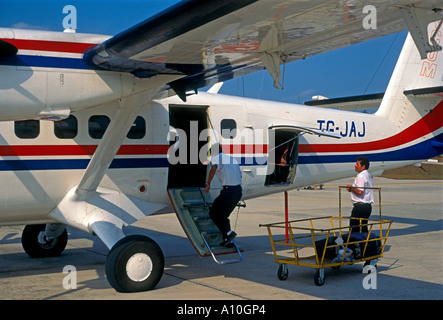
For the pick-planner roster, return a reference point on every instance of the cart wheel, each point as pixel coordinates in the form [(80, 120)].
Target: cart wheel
[(319, 277), (283, 272), (370, 263)]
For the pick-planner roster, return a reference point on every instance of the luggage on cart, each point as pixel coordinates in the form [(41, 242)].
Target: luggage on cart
[(365, 246), (331, 252)]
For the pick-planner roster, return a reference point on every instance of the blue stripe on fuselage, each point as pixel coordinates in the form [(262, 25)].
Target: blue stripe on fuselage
[(423, 150), (45, 62), (77, 164)]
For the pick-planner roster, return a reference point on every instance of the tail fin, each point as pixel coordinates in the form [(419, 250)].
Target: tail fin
[(416, 88)]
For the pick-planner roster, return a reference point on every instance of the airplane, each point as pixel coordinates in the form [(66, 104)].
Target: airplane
[(98, 132)]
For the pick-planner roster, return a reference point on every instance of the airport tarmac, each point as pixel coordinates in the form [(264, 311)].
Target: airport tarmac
[(412, 266)]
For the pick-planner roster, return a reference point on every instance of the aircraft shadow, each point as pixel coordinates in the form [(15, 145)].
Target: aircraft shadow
[(258, 266)]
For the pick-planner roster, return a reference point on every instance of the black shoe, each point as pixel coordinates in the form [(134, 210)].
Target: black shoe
[(229, 239)]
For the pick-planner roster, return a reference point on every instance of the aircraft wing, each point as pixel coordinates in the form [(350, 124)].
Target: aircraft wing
[(210, 41)]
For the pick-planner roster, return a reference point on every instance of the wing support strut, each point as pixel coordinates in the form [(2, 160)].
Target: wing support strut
[(102, 211), (122, 121)]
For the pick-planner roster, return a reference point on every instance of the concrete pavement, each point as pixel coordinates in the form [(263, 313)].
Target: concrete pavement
[(412, 266)]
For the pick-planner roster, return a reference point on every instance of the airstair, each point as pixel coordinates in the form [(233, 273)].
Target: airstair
[(192, 208)]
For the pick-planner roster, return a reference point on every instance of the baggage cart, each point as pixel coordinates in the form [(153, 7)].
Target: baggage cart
[(323, 242)]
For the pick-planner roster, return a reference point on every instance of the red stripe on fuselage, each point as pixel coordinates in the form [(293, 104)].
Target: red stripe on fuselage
[(245, 148), (428, 124), (78, 150), (88, 150), (53, 46)]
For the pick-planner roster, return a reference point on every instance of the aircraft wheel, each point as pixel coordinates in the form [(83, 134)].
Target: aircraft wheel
[(37, 246), (134, 264)]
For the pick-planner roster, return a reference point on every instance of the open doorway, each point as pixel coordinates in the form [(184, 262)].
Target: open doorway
[(185, 167), (283, 157)]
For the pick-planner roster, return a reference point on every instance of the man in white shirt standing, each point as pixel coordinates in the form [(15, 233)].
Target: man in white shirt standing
[(228, 171), (361, 197)]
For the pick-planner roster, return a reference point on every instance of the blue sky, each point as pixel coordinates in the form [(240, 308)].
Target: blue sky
[(359, 69)]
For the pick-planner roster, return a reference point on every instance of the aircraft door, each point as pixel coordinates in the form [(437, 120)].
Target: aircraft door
[(282, 157), (186, 144)]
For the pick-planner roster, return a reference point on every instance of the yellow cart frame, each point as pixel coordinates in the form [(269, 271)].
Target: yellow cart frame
[(288, 246)]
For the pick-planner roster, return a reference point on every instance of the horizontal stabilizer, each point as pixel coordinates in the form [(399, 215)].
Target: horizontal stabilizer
[(365, 101), (425, 91)]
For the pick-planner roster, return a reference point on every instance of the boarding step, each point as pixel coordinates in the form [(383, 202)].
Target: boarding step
[(218, 250), (192, 208)]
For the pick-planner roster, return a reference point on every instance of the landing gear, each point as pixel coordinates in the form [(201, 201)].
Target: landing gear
[(37, 244), (135, 263)]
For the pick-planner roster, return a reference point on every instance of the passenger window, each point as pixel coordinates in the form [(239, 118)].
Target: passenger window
[(27, 129), (66, 128), (97, 126), (138, 129), (228, 128)]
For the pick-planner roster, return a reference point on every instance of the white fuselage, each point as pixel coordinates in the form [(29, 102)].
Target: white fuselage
[(38, 172), (39, 165)]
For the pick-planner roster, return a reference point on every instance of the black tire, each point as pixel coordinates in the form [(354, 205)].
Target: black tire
[(368, 263), (283, 272), (319, 277), (135, 263), (35, 249)]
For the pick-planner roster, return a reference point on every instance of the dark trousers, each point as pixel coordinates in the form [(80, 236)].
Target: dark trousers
[(362, 210), (222, 207)]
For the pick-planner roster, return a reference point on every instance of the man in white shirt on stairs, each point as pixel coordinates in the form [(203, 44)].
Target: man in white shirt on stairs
[(228, 171)]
